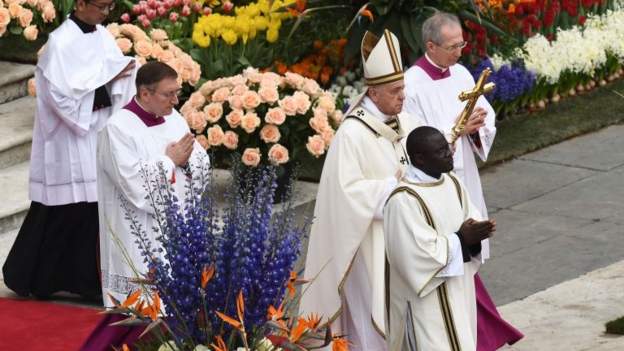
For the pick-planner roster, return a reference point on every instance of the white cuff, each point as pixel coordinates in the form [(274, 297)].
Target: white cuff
[(391, 183), (455, 266)]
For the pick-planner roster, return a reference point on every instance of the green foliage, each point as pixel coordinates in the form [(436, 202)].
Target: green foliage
[(616, 326)]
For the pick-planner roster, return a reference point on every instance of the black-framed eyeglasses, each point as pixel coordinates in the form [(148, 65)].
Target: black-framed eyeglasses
[(110, 7), (454, 47)]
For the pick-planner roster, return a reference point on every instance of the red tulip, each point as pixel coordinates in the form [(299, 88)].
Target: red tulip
[(227, 6), (186, 11), (161, 11), (173, 17), (125, 17), (136, 9)]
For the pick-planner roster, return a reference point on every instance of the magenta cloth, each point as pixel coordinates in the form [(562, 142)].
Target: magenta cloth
[(105, 336), (492, 331), (149, 119), (432, 71)]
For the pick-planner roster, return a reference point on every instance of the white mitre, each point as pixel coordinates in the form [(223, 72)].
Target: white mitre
[(381, 58)]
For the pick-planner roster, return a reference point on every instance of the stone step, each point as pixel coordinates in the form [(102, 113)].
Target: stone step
[(16, 125), (14, 80), (15, 203)]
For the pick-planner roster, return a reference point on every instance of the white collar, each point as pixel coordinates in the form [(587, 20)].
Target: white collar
[(416, 175), (434, 64), (369, 105)]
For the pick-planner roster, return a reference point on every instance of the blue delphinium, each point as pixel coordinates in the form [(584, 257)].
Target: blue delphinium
[(251, 246), (512, 81)]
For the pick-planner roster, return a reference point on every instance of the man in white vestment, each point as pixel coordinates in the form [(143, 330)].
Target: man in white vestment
[(432, 86), (345, 257), (141, 140), (81, 78), (433, 244)]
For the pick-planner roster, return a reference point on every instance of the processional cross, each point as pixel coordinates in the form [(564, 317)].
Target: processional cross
[(471, 96)]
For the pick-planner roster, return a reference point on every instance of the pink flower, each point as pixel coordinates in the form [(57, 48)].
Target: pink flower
[(161, 11), (294, 80), (124, 45), (234, 118), (5, 17), (196, 121), (215, 135), (213, 112), (303, 102), (15, 9), (278, 154), (227, 6), (230, 140), (236, 102), (240, 89), (146, 23), (337, 116), (327, 102), (158, 35), (221, 94), (275, 116), (143, 48), (136, 9), (173, 17), (251, 157), (152, 3), (196, 7), (270, 133), (197, 100), (316, 145), (327, 135), (186, 11), (125, 17), (250, 122), (166, 56), (311, 87), (25, 18), (207, 11), (268, 94), (251, 100), (203, 141), (151, 14), (320, 113), (289, 105), (49, 12), (30, 33)]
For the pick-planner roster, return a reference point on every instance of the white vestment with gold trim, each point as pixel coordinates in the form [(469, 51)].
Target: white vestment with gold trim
[(429, 309)]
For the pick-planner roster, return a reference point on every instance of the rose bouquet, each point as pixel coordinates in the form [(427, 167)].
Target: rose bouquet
[(132, 40), (266, 117), (25, 17)]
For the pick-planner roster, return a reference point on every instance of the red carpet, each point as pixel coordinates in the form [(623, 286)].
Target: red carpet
[(27, 325)]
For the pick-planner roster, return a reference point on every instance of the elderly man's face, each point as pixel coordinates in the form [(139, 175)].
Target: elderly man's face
[(94, 11), (449, 50), (388, 97), (162, 98)]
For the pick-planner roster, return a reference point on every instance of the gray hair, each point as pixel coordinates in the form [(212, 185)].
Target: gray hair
[(431, 28)]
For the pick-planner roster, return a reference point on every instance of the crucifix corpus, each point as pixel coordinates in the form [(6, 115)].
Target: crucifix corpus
[(471, 97)]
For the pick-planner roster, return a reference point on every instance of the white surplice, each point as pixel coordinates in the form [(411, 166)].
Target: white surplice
[(435, 103), (346, 247), (126, 145), (72, 66), (432, 295)]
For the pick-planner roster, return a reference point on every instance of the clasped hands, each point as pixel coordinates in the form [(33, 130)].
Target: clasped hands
[(473, 231), (179, 152)]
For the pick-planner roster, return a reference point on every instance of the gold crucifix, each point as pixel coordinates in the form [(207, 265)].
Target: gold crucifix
[(471, 97)]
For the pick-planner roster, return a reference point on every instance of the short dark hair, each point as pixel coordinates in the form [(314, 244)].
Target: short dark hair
[(419, 139), (152, 73)]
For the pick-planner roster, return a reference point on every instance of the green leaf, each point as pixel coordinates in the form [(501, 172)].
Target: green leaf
[(17, 30), (487, 24)]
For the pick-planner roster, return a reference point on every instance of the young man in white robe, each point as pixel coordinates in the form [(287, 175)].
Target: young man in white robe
[(81, 79), (149, 135), (345, 257), (433, 239), (432, 86)]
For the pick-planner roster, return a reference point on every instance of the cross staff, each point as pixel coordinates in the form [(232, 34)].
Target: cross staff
[(471, 96)]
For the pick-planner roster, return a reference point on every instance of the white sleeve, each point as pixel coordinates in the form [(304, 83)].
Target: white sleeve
[(455, 267), (391, 183), (486, 133)]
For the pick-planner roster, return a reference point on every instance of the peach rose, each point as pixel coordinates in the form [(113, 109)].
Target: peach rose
[(327, 135), (275, 116), (289, 105), (184, 74), (195, 74), (124, 45), (157, 52), (270, 79), (250, 122), (230, 140), (25, 19), (316, 145), (5, 17), (251, 100), (311, 87), (166, 56), (48, 13), (187, 108), (337, 116), (196, 100), (15, 10), (320, 113), (158, 35), (113, 29), (278, 154), (143, 48), (270, 133), (294, 80), (203, 141), (254, 76), (221, 94), (234, 118), (303, 102), (32, 88), (251, 157), (196, 121), (269, 94), (236, 80), (30, 33), (236, 102), (32, 3), (327, 103), (213, 112), (240, 90), (215, 135)]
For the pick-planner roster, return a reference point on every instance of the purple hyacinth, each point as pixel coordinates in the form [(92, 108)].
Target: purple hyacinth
[(512, 81)]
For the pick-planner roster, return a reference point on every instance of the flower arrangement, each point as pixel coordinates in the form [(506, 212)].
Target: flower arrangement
[(347, 87), (215, 276), (25, 17), (148, 11), (132, 40), (266, 117)]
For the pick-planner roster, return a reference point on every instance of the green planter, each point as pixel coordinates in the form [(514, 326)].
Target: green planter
[(16, 48)]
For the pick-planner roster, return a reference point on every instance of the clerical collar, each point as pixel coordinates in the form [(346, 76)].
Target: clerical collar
[(148, 118), (84, 27), (433, 71), (416, 175), (370, 106)]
